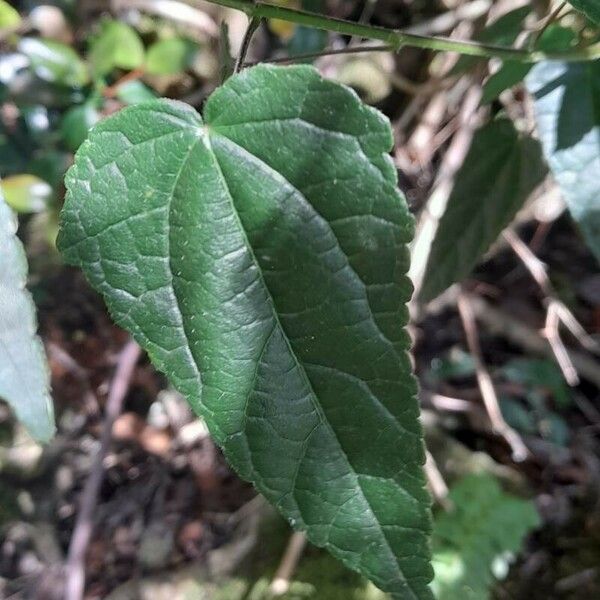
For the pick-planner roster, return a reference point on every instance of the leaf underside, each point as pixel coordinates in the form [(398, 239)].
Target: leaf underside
[(567, 110), (499, 173), (24, 376), (259, 256)]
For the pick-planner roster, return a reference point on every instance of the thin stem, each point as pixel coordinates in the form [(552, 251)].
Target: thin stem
[(252, 27), (551, 19), (398, 39), (484, 380), (327, 52), (82, 533)]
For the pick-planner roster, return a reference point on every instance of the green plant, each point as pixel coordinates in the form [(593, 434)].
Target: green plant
[(259, 254)]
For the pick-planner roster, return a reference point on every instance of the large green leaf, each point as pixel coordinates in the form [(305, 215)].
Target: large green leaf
[(24, 377), (259, 256), (501, 169), (591, 8), (567, 108)]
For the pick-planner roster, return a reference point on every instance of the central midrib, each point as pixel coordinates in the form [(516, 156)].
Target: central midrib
[(313, 395)]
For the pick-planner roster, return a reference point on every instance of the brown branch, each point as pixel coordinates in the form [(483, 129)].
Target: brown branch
[(435, 480), (504, 325), (484, 380), (289, 561), (75, 565), (556, 311)]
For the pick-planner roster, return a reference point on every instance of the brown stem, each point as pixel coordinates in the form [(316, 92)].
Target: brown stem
[(75, 565)]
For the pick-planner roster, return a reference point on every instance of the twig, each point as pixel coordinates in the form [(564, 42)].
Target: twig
[(285, 571), (519, 334), (437, 485), (488, 393), (446, 403), (112, 90), (556, 310), (398, 39), (551, 333), (436, 205), (253, 25), (326, 52), (546, 23), (75, 565)]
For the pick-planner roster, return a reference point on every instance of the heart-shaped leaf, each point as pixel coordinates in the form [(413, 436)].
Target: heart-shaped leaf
[(24, 376), (259, 256)]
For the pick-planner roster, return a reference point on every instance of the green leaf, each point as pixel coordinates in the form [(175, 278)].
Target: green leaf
[(116, 46), (540, 374), (590, 8), (77, 122), (170, 56), (24, 376), (133, 92), (567, 108), (259, 256), (472, 541), (9, 16), (55, 62), (26, 193), (508, 75), (500, 171)]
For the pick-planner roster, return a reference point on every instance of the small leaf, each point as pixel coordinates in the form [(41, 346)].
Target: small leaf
[(170, 56), (133, 92), (567, 108), (76, 124), (590, 8), (55, 62), (259, 256), (26, 193), (508, 75), (9, 16), (24, 375), (500, 171), (485, 527), (540, 374), (117, 46)]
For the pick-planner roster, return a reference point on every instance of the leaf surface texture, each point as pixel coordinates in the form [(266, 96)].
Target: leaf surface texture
[(259, 255)]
